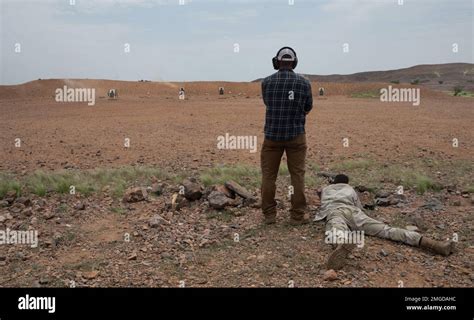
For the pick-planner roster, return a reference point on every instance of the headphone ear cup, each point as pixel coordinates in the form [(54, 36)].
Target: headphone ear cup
[(275, 63), (295, 63)]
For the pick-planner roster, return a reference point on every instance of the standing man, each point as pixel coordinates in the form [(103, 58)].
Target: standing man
[(288, 99)]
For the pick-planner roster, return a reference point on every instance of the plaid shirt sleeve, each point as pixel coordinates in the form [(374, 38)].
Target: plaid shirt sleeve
[(287, 97)]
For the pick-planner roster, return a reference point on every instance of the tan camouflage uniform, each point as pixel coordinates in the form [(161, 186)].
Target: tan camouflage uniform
[(342, 209)]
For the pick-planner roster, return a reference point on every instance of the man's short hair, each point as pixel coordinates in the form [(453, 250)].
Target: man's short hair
[(340, 178)]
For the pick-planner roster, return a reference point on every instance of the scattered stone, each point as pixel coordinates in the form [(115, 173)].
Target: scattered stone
[(133, 256), (178, 202), (17, 208), (411, 228), (256, 205), (49, 215), (390, 200), (90, 275), (433, 205), (2, 219), (472, 200), (383, 253), (28, 212), (382, 202), (382, 194), (361, 189), (417, 220), (222, 188), (192, 189), (80, 206), (330, 275), (456, 203), (238, 189), (157, 189), (24, 201), (4, 203), (10, 196), (328, 175), (156, 221), (218, 200), (136, 194), (41, 203), (441, 226)]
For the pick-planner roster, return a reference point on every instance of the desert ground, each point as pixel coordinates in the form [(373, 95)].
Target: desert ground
[(96, 237)]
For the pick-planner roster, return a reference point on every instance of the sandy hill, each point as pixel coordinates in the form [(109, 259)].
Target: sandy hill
[(435, 76), (137, 89)]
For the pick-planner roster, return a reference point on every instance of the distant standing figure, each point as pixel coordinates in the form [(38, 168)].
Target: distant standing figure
[(221, 91), (181, 94), (112, 93), (321, 92)]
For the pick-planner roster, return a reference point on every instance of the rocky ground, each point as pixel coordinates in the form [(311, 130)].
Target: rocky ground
[(156, 237), (162, 239)]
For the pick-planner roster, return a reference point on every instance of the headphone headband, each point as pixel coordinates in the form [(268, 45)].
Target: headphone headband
[(276, 62)]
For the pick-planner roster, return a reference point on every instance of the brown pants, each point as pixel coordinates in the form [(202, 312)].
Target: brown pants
[(272, 152)]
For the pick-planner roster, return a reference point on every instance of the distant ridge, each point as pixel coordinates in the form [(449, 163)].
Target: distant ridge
[(436, 76)]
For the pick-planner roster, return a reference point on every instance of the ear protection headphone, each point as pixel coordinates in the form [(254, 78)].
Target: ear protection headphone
[(276, 63)]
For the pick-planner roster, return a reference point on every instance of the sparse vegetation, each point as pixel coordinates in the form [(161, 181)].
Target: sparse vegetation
[(85, 182), (458, 90), (8, 183), (363, 170), (118, 210), (224, 215), (367, 94), (242, 174), (415, 82)]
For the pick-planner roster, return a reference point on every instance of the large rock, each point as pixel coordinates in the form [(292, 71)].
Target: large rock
[(135, 195), (17, 208), (156, 221), (176, 203), (390, 200), (330, 275), (218, 200), (433, 205), (10, 196), (157, 188), (80, 206), (192, 189), (24, 201), (222, 188), (238, 189)]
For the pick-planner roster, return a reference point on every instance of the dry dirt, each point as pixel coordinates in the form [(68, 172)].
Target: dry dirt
[(194, 248)]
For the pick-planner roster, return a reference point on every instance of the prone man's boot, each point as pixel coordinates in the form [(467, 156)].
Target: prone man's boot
[(444, 248), (337, 259)]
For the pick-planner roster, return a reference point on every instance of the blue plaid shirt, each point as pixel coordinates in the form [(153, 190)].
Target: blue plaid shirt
[(288, 98)]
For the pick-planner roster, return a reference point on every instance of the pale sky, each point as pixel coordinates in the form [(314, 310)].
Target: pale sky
[(197, 40)]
